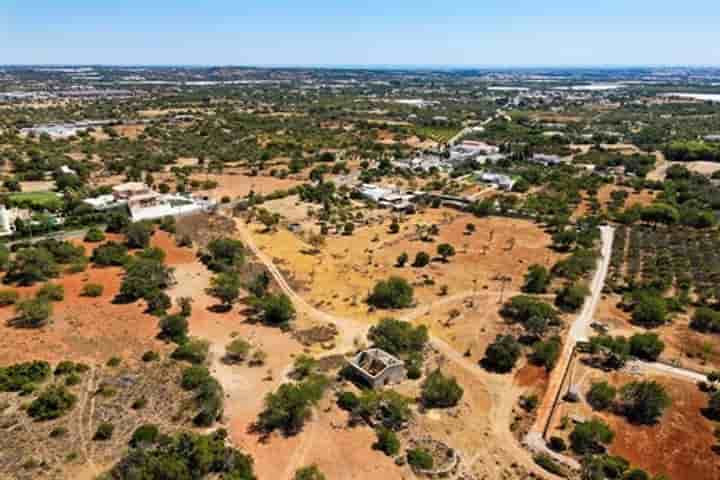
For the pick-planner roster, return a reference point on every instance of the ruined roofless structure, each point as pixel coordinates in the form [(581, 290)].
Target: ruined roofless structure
[(378, 368)]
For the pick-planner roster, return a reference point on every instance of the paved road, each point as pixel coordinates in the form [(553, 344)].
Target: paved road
[(579, 331)]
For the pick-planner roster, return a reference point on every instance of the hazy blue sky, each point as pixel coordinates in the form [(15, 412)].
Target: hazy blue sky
[(262, 32)]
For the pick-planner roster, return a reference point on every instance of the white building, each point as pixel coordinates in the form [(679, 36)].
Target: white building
[(502, 181), (387, 197), (546, 160)]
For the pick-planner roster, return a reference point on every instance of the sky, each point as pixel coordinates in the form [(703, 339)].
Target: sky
[(367, 32)]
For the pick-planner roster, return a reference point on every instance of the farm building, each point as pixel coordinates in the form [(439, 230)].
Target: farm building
[(378, 368)]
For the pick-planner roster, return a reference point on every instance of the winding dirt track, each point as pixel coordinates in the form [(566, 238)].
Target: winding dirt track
[(499, 387)]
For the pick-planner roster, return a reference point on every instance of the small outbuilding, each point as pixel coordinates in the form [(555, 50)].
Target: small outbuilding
[(378, 368)]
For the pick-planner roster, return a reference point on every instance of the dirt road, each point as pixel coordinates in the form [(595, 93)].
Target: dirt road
[(503, 397)]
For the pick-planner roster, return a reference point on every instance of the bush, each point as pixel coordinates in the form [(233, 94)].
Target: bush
[(537, 279), (194, 351), (348, 401), (225, 286), (34, 313), (501, 355), (650, 311), (144, 277), (8, 297), (547, 463), (94, 235), (445, 250), (644, 402), (73, 379), (137, 235), (174, 328), (194, 376), (439, 391), (14, 377), (31, 265), (276, 310), (224, 254), (92, 290), (186, 456), (387, 442), (421, 259), (571, 297), (397, 337), (144, 435), (58, 432), (52, 403), (104, 431), (139, 403), (546, 354), (646, 346), (309, 473), (110, 254), (420, 459), (590, 436), (51, 292), (289, 407), (114, 362), (237, 351), (706, 320), (557, 444), (158, 302), (395, 292), (601, 395), (402, 259)]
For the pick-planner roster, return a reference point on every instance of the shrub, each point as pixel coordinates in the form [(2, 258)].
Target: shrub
[(397, 337), (58, 432), (144, 435), (571, 297), (644, 402), (92, 290), (139, 403), (309, 473), (601, 395), (395, 292), (150, 356), (502, 354), (445, 250), (646, 346), (52, 403), (8, 297), (546, 353), (186, 456), (51, 292), (421, 259), (650, 311), (14, 377), (224, 254), (420, 459), (31, 265), (225, 286), (110, 254), (158, 302), (174, 328), (402, 259), (194, 376), (387, 442), (289, 407), (537, 279), (237, 351), (276, 310), (304, 366), (33, 313), (143, 277), (94, 235), (588, 437), (439, 391), (546, 462), (194, 351), (114, 362), (73, 379), (348, 401), (706, 320), (104, 431), (137, 235), (557, 444)]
